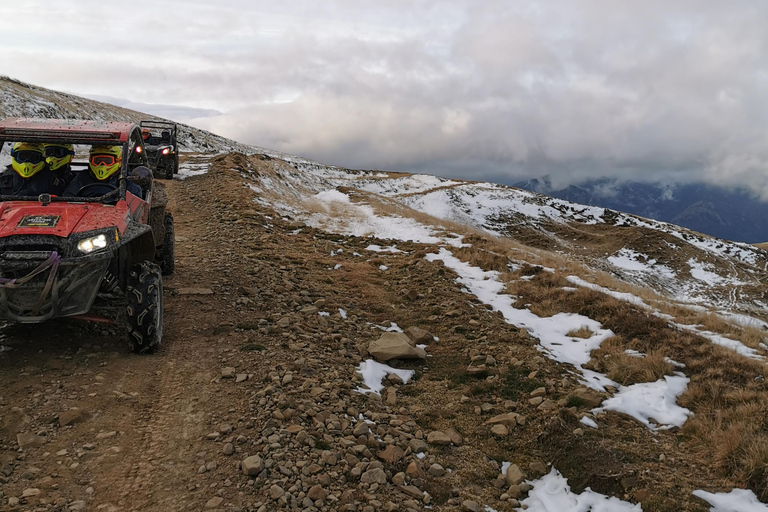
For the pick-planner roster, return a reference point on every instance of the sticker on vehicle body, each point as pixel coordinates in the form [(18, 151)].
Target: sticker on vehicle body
[(39, 221)]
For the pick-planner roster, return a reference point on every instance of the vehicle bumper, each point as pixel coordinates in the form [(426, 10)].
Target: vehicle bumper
[(72, 289)]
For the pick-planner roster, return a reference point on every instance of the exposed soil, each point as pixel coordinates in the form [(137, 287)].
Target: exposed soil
[(250, 366)]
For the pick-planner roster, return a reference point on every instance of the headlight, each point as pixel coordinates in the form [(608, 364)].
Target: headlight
[(166, 151), (94, 243)]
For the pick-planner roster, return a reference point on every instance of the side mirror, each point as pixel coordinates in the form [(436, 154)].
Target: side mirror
[(142, 176)]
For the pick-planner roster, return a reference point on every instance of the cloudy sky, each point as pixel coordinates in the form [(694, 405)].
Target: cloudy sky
[(479, 89)]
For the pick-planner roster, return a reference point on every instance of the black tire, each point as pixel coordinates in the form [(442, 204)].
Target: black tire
[(176, 165), (168, 170), (167, 263), (144, 308)]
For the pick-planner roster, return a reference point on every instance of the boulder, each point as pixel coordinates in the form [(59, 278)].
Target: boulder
[(252, 465), (71, 417), (514, 475), (395, 345), (418, 335)]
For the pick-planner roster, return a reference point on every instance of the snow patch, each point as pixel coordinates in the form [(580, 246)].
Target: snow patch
[(651, 403), (374, 372), (551, 493)]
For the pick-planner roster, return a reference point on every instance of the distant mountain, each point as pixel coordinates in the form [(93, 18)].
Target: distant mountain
[(729, 213)]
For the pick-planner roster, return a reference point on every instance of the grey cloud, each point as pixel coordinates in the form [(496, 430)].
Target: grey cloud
[(502, 89)]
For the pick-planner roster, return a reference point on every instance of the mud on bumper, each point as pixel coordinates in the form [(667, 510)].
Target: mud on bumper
[(66, 289)]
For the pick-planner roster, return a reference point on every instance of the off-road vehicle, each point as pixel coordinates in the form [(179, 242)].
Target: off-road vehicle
[(162, 147), (76, 256)]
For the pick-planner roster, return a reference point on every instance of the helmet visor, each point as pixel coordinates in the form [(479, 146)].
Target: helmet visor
[(57, 151), (103, 160), (27, 156)]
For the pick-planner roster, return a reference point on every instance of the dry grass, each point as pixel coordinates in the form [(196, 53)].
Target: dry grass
[(613, 360), (584, 333)]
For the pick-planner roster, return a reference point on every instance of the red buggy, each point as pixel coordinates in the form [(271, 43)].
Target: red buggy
[(67, 256)]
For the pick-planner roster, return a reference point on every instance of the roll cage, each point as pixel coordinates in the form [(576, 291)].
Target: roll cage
[(77, 132)]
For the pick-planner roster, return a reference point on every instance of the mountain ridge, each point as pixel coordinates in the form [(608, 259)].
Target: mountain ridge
[(732, 213)]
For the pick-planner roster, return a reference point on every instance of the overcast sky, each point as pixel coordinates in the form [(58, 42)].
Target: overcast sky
[(490, 90)]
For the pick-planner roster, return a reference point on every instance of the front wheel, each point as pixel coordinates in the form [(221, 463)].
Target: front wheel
[(144, 308)]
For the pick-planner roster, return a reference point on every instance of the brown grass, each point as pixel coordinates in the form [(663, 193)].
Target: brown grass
[(584, 332), (612, 360)]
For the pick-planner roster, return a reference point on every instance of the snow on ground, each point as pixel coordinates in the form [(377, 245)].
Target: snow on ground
[(628, 259), (189, 168), (551, 493), (738, 500), (374, 372), (701, 272), (651, 403), (715, 338), (551, 332), (340, 215), (627, 297), (378, 248)]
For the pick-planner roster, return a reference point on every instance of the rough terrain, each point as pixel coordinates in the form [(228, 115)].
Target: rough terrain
[(251, 404)]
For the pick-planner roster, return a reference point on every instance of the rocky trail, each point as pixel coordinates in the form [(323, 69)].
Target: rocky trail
[(251, 404)]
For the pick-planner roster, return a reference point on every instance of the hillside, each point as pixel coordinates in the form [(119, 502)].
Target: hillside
[(726, 212), (543, 349)]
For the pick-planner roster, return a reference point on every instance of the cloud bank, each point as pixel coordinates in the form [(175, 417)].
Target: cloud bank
[(491, 90)]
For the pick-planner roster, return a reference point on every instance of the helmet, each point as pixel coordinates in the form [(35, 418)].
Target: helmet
[(105, 161), (145, 133), (58, 155), (27, 159)]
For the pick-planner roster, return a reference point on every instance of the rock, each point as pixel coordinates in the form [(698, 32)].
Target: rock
[(509, 419), (436, 470), (536, 401), (590, 397), (361, 429), (391, 454), (514, 475), (71, 417), (418, 335), (456, 438), (28, 493), (229, 449), (470, 506), (539, 392), (394, 345), (276, 492), (500, 430), (14, 422), (374, 476), (412, 491), (438, 438), (418, 445), (252, 465), (414, 470), (537, 467), (29, 440), (310, 310), (578, 432), (316, 492), (228, 373), (241, 377), (214, 502)]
